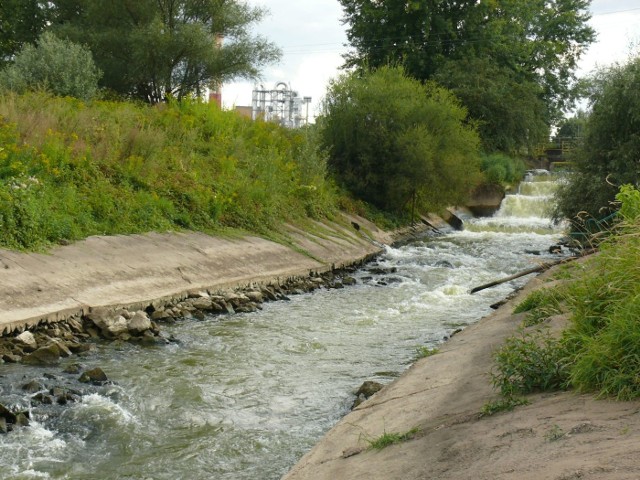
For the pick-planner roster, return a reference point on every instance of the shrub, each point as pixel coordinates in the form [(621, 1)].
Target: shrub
[(58, 66), (530, 362), (393, 141), (502, 169)]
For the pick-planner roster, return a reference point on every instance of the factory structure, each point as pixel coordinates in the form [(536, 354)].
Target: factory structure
[(280, 104)]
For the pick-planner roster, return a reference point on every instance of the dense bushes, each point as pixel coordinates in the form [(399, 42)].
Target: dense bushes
[(501, 169), (396, 142), (608, 155), (70, 169), (55, 65)]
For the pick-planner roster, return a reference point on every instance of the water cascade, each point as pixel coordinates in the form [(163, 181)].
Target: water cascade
[(244, 396)]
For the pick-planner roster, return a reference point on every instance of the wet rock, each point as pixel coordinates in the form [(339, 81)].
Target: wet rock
[(383, 271), (7, 414), (444, 264), (74, 368), (75, 325), (64, 350), (42, 398), (139, 323), (80, 348), (95, 376), (4, 428), (11, 358), (349, 281), (22, 420), (32, 387), (368, 388), (26, 339), (246, 308), (270, 294), (48, 355)]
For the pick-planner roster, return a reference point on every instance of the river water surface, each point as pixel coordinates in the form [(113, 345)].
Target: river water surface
[(245, 396)]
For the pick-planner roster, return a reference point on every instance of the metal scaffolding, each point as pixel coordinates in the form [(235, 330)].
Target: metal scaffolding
[(281, 105)]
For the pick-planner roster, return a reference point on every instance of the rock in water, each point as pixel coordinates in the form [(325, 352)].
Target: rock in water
[(95, 376), (48, 355), (368, 388)]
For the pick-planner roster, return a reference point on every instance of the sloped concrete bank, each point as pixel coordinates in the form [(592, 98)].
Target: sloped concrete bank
[(148, 272), (154, 272)]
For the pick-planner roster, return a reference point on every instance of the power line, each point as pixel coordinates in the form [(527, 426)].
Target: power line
[(616, 11)]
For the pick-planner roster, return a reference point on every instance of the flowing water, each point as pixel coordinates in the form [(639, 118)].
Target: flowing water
[(245, 396)]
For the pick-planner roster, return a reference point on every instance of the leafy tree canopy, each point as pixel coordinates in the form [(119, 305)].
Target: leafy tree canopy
[(517, 51), (21, 22), (610, 152), (392, 140), (153, 49)]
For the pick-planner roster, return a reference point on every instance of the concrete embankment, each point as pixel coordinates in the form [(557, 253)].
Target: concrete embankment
[(138, 270)]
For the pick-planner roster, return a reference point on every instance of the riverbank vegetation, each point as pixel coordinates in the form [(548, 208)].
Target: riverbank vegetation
[(599, 350), (70, 169), (398, 143), (607, 156)]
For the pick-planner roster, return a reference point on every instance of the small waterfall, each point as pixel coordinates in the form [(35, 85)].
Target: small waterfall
[(527, 210)]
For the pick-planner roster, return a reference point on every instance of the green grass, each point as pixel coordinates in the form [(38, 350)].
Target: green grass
[(387, 439), (505, 404), (423, 351), (70, 169)]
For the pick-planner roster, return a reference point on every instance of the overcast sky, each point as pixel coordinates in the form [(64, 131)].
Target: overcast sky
[(312, 39)]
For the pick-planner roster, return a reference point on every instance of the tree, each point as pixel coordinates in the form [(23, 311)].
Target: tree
[(153, 49), (393, 140), (21, 22), (532, 46), (59, 66), (609, 156)]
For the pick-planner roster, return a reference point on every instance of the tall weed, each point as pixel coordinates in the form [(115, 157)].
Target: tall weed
[(70, 169)]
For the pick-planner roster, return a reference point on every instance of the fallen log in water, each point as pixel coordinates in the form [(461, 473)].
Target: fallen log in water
[(540, 268)]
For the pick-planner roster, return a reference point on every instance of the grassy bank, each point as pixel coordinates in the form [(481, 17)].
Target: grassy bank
[(70, 169), (599, 351)]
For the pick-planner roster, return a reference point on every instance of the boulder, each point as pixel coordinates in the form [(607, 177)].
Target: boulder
[(368, 388), (74, 368), (22, 420), (110, 324), (4, 428), (7, 414), (202, 303), (32, 387), (26, 339), (139, 323), (95, 376), (42, 398), (48, 355), (255, 296), (160, 314)]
